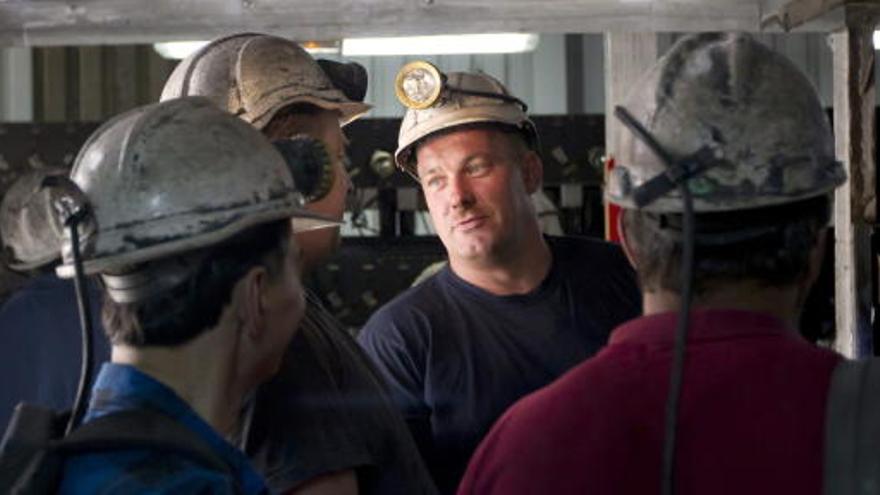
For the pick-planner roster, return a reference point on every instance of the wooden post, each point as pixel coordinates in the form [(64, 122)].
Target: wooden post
[(120, 74), (854, 202), (91, 84), (627, 57), (16, 84), (51, 79)]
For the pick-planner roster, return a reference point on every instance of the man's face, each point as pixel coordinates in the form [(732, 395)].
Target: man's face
[(477, 184)]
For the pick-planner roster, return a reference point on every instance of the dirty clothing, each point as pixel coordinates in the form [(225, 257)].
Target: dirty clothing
[(41, 352), (121, 388), (327, 410), (751, 416), (456, 356)]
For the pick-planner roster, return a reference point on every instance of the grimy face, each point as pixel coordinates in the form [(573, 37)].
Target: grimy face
[(477, 184)]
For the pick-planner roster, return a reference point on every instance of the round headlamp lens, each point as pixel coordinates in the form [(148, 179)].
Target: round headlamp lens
[(418, 84)]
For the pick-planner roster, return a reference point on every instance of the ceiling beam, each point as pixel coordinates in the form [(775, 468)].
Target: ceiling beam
[(798, 13), (52, 22)]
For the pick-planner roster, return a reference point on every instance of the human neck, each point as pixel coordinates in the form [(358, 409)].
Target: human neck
[(207, 385), (316, 248), (519, 273), (783, 303)]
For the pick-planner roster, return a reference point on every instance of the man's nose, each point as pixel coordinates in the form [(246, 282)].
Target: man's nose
[(460, 193)]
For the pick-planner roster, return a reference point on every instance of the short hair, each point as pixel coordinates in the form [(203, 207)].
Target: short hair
[(184, 312), (769, 245)]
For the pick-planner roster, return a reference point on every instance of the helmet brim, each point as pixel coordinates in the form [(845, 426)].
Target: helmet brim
[(349, 111), (302, 220)]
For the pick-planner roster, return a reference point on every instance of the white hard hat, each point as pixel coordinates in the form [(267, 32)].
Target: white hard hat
[(28, 223), (437, 102), (739, 110), (253, 76), (176, 176)]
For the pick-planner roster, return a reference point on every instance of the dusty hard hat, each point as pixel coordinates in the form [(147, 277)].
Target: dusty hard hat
[(176, 176), (28, 224), (253, 76), (740, 113), (438, 102)]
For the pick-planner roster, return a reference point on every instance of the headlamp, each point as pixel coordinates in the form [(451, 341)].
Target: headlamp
[(418, 84)]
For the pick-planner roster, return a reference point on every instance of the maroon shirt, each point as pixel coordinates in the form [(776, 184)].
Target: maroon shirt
[(751, 418)]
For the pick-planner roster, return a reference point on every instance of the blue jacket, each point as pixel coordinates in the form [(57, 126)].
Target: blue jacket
[(120, 388)]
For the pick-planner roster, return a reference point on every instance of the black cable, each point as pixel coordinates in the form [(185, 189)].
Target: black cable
[(85, 320), (676, 374), (678, 173)]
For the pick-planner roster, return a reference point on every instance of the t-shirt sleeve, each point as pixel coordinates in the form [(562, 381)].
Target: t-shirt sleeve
[(393, 339)]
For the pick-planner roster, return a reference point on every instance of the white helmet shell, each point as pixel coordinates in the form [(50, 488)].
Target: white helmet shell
[(454, 109), (750, 106), (176, 176), (253, 76), (28, 224)]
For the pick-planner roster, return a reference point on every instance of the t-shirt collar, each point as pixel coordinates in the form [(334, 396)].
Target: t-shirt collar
[(705, 324)]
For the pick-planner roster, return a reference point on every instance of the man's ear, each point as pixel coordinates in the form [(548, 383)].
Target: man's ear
[(251, 288), (816, 258), (532, 171), (624, 242)]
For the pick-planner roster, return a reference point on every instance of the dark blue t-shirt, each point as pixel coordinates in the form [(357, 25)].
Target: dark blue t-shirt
[(455, 356), (41, 344)]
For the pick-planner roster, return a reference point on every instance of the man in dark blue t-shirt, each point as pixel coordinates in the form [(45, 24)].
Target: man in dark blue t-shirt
[(42, 344), (513, 310)]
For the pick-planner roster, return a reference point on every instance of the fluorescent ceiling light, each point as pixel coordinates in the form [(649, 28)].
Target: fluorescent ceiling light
[(441, 45), (407, 45), (877, 40), (177, 50)]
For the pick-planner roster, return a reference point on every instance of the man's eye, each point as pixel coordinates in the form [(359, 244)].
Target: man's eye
[(434, 182), (477, 169)]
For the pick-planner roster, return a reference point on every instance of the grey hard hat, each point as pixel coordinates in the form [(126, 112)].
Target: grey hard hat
[(176, 176), (29, 225), (253, 76), (749, 108), (460, 98)]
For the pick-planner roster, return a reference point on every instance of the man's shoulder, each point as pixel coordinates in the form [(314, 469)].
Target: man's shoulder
[(424, 299), (36, 289), (577, 248), (141, 471), (597, 267), (411, 316)]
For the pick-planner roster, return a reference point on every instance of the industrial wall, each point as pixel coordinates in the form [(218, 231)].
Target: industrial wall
[(563, 75)]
